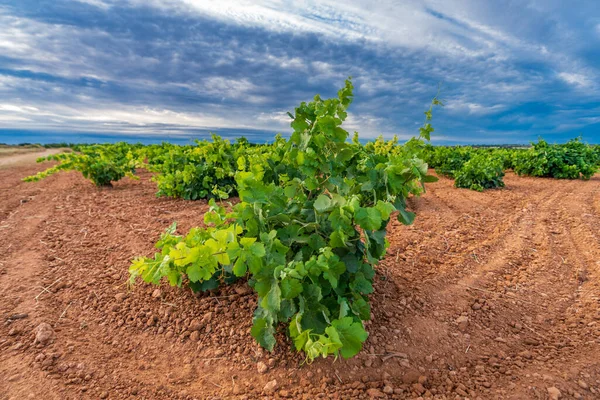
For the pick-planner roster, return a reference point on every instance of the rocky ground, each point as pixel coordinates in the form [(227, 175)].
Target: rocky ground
[(491, 295)]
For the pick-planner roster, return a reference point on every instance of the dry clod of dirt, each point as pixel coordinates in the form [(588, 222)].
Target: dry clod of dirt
[(411, 377), (531, 341), (262, 367), (374, 393), (120, 296), (44, 334), (271, 387), (553, 393), (463, 323)]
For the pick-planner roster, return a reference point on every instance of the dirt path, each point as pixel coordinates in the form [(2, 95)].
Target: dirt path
[(25, 158), (490, 295)]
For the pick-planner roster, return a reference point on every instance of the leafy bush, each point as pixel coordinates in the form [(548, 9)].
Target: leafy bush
[(507, 157), (480, 172), (448, 160), (102, 164), (207, 169), (573, 160), (197, 172), (308, 240)]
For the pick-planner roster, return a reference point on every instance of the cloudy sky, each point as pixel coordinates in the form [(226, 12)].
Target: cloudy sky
[(510, 71)]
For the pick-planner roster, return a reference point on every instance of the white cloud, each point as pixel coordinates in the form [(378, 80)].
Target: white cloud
[(15, 108), (277, 119), (406, 24), (95, 116), (95, 3), (461, 106), (575, 79)]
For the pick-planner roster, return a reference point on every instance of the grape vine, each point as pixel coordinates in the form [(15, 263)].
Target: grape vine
[(308, 240)]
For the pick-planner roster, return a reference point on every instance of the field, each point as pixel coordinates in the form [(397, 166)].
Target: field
[(492, 295)]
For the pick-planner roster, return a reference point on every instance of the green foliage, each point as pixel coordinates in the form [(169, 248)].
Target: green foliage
[(448, 160), (306, 233), (573, 160), (207, 170), (481, 172), (507, 157), (482, 168), (102, 164)]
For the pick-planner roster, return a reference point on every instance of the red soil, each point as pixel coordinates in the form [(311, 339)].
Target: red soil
[(520, 265)]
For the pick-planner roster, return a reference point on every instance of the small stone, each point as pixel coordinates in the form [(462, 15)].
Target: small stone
[(196, 325), (207, 317), (462, 322), (104, 395), (553, 393), (476, 306), (157, 293), (388, 389), (18, 316), (195, 336), (375, 393), (271, 387), (518, 327), (13, 332), (583, 385), (531, 341), (526, 354), (120, 296), (422, 379), (262, 367), (44, 334), (420, 389), (242, 290)]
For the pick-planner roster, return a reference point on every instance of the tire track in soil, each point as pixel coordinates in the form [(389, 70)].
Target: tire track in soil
[(20, 282), (560, 281), (540, 277), (510, 252)]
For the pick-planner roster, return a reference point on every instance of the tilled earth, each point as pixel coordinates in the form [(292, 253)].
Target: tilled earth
[(491, 295)]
